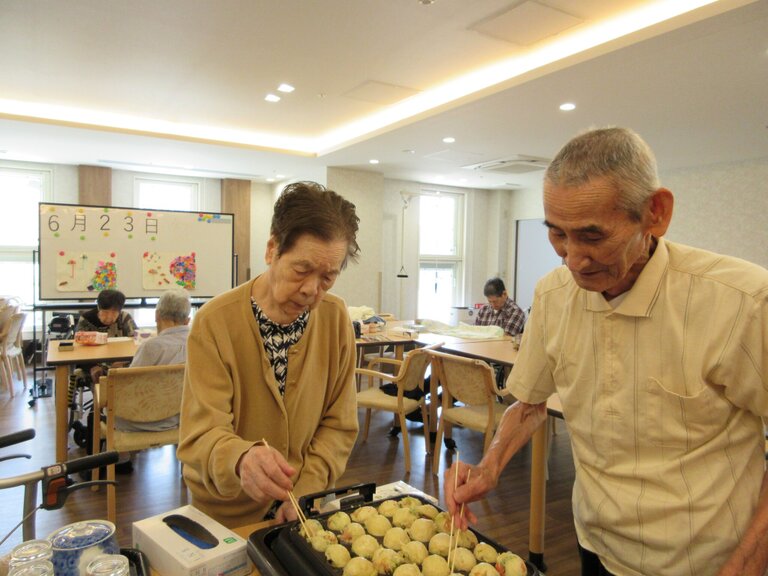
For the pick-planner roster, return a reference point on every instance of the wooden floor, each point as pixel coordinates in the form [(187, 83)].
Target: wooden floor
[(155, 485)]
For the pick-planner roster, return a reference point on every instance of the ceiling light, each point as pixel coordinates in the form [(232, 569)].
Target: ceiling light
[(567, 106), (270, 179), (449, 139), (373, 161), (287, 88), (272, 98), (280, 176)]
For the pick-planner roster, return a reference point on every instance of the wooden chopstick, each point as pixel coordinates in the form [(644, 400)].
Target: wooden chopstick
[(455, 485), (456, 545), (295, 503)]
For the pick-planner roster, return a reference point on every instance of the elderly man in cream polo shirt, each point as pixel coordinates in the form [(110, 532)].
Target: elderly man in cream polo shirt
[(659, 353)]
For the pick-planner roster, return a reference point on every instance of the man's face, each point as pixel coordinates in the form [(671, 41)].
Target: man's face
[(604, 249), (300, 277), (108, 316), (497, 302)]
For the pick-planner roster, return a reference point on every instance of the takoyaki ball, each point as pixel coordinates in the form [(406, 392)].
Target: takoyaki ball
[(486, 553), (442, 522), (427, 511), (350, 532), (483, 569), (463, 560), (314, 527), (322, 539), (388, 507), (435, 565), (422, 530), (440, 544), (365, 546), (396, 538), (407, 570), (360, 514), (467, 539), (509, 564), (337, 555), (404, 517), (385, 560), (338, 521), (359, 566), (409, 502), (377, 525), (415, 552)]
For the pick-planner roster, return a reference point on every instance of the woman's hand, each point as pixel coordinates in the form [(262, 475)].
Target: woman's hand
[(265, 475)]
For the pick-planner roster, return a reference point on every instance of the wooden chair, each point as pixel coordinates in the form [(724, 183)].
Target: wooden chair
[(409, 377), (12, 350), (142, 394), (473, 383)]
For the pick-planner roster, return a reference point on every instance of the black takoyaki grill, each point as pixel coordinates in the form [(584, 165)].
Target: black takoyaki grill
[(282, 551)]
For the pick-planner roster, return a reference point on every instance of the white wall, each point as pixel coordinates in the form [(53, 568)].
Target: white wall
[(360, 283), (722, 208)]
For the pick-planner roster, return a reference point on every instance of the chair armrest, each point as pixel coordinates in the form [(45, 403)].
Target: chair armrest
[(375, 374), (383, 360)]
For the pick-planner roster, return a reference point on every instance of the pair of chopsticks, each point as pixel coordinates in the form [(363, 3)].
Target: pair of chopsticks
[(295, 503), (453, 546)]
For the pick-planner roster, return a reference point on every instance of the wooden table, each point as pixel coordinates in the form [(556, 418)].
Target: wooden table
[(115, 350)]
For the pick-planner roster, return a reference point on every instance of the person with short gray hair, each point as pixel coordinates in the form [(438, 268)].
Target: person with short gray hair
[(170, 344)]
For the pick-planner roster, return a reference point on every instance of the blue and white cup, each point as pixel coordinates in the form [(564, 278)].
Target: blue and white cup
[(75, 545)]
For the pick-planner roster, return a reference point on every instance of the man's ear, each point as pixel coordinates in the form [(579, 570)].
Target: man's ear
[(661, 206)]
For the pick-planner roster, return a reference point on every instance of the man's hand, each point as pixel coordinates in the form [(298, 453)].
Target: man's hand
[(286, 513), (472, 483), (265, 475)]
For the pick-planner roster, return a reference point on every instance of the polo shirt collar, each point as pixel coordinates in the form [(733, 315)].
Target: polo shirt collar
[(641, 297)]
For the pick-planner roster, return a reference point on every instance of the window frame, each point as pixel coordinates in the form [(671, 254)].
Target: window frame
[(196, 185), (456, 261)]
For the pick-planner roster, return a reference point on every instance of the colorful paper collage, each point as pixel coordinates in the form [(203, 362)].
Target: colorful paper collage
[(163, 270), (85, 271)]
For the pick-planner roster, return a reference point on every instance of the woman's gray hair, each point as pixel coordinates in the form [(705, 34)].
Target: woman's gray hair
[(619, 155), (174, 305)]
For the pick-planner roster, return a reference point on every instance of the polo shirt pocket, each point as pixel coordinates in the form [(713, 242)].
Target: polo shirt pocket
[(683, 420)]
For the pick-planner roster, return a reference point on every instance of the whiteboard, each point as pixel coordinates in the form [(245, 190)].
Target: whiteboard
[(142, 253), (535, 257)]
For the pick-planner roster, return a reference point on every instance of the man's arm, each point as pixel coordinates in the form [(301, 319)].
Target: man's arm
[(517, 426), (751, 555)]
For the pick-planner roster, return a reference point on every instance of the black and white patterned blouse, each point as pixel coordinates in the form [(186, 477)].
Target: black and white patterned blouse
[(277, 339)]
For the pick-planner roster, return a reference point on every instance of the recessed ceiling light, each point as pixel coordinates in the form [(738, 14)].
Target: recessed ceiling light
[(287, 88), (270, 179), (373, 161), (279, 175), (272, 98), (567, 106), (449, 139)]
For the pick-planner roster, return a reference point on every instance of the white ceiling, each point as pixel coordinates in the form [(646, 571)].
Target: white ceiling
[(696, 87)]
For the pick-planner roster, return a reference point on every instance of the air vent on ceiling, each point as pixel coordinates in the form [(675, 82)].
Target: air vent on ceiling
[(517, 164)]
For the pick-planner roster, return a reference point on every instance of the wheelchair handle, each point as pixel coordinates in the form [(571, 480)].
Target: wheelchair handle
[(16, 437)]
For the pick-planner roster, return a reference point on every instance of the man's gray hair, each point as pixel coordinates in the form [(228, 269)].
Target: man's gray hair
[(174, 305), (619, 155)]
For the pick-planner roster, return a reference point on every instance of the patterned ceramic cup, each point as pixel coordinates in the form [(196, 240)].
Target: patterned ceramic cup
[(75, 545)]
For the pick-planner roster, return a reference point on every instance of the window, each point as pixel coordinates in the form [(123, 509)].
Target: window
[(440, 254), (160, 194), (21, 189)]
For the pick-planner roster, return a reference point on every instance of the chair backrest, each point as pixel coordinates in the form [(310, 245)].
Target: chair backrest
[(468, 380), (145, 394), (11, 336), (414, 366)]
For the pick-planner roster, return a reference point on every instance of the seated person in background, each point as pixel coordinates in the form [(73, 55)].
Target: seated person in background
[(269, 401), (501, 310), (109, 317), (168, 347), (170, 344)]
